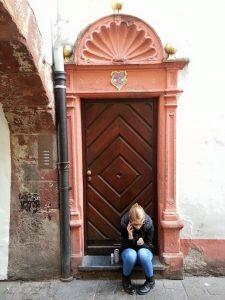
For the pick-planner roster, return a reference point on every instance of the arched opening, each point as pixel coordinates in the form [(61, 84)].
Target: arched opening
[(121, 93)]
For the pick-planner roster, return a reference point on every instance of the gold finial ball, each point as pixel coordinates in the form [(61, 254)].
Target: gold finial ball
[(67, 51), (117, 6), (170, 50)]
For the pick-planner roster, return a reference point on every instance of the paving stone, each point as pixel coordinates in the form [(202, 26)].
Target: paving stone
[(173, 284), (114, 297), (205, 287), (192, 281), (195, 289), (216, 290), (9, 285), (107, 287), (35, 290), (175, 294), (111, 290), (216, 297), (195, 293), (76, 289), (10, 290), (214, 285)]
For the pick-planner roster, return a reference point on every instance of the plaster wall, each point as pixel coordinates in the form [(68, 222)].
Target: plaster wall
[(5, 179), (196, 30), (45, 13)]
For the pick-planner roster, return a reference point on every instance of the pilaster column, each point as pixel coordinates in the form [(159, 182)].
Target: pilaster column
[(170, 222), (76, 177)]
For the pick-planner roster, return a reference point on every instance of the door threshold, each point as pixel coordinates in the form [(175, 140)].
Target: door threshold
[(103, 263)]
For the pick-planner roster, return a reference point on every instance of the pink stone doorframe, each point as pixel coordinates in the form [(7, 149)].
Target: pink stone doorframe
[(154, 77)]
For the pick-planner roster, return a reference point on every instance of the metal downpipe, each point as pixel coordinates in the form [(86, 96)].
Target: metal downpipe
[(63, 169)]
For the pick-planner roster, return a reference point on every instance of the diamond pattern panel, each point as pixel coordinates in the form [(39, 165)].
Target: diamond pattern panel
[(120, 153), (119, 174)]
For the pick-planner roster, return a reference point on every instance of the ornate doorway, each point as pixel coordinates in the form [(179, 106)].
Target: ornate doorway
[(121, 44)]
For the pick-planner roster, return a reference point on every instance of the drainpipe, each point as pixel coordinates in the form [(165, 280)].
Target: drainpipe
[(62, 142)]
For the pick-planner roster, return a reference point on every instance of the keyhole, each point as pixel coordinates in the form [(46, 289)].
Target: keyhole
[(118, 175)]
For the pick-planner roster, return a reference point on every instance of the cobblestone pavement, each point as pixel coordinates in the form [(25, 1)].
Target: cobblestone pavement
[(199, 288)]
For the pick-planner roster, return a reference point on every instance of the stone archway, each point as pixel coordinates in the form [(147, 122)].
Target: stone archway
[(26, 94), (124, 43)]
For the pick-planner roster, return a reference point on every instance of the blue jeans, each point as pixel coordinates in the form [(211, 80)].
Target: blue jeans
[(143, 257)]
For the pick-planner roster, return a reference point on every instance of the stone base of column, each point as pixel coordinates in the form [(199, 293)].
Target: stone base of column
[(175, 265), (76, 260), (171, 255)]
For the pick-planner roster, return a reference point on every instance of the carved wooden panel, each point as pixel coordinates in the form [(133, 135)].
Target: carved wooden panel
[(120, 160)]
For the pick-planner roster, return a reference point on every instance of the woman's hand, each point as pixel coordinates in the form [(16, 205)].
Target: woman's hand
[(140, 242), (130, 231)]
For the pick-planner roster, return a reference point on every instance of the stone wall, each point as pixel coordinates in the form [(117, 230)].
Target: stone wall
[(26, 94), (34, 249)]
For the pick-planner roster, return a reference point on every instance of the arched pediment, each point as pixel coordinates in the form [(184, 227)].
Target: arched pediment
[(118, 39)]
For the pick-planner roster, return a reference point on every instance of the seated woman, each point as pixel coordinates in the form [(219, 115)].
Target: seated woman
[(136, 234)]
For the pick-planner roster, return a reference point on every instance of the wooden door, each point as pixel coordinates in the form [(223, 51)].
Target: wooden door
[(119, 167)]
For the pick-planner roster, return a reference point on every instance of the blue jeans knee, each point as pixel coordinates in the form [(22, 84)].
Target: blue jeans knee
[(144, 257), (129, 257)]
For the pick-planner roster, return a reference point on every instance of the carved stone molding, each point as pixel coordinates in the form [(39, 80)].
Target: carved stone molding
[(119, 39)]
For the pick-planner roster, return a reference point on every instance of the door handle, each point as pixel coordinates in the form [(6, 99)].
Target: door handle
[(88, 175)]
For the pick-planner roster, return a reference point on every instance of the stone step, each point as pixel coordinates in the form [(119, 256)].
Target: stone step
[(100, 267), (103, 263)]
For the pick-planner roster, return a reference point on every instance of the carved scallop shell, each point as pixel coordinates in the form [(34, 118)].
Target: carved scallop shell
[(119, 43)]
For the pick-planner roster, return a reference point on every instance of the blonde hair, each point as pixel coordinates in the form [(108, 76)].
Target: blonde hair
[(136, 212)]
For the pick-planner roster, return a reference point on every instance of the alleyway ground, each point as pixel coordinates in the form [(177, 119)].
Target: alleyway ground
[(199, 288)]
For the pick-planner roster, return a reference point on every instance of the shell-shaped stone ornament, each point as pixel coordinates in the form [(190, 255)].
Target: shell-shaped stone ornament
[(118, 44)]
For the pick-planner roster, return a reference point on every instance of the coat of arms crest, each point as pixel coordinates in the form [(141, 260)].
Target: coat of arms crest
[(118, 79)]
